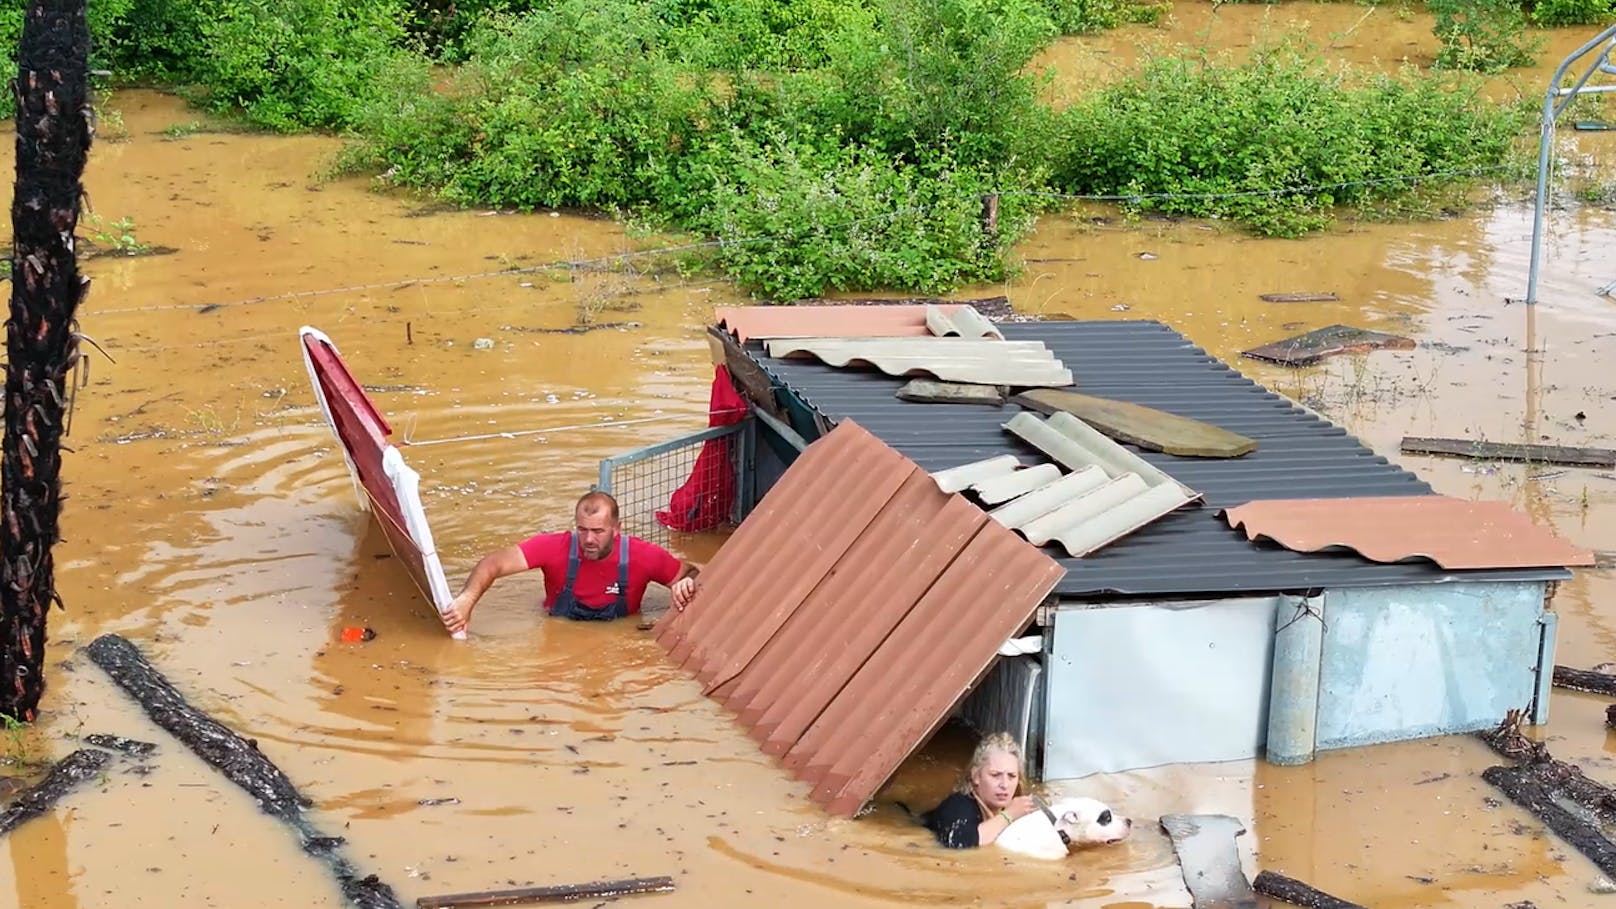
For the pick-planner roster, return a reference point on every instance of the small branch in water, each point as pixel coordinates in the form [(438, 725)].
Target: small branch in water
[(556, 894), (1290, 890), (68, 773)]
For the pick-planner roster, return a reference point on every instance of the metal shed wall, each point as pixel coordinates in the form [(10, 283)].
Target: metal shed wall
[(1410, 662)]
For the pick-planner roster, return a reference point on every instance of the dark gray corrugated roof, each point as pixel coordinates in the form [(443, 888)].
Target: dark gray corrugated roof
[(1191, 551)]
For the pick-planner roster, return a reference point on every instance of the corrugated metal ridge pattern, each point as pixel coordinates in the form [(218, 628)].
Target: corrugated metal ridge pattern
[(849, 612), (960, 321), (849, 321), (1192, 550), (988, 361), (1454, 533), (1084, 512)]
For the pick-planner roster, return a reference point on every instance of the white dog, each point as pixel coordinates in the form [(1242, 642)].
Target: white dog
[(1077, 823)]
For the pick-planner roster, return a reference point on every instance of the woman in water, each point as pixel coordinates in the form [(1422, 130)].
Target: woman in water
[(985, 803)]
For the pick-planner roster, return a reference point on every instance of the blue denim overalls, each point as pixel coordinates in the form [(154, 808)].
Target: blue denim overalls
[(567, 605)]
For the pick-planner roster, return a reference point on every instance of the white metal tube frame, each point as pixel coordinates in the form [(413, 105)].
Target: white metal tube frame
[(1551, 112)]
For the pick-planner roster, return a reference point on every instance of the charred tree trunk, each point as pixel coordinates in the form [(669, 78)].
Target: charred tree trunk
[(54, 126)]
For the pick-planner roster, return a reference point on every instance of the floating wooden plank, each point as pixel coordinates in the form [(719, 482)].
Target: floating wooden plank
[(928, 391), (1151, 429), (1209, 859), (64, 777), (1293, 891), (1583, 680), (1511, 451), (600, 890), (237, 758), (1299, 298), (1310, 348)]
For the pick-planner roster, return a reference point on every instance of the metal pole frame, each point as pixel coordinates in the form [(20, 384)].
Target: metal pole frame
[(1551, 113)]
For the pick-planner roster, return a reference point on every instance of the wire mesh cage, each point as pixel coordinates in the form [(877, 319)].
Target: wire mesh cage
[(690, 484)]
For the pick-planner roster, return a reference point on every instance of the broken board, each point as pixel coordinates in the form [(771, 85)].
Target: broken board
[(1508, 451), (753, 383), (1210, 860), (929, 391), (1310, 348), (1151, 429)]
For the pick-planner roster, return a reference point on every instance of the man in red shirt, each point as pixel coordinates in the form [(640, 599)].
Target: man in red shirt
[(590, 573)]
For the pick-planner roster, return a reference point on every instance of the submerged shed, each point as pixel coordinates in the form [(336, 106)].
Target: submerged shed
[(1196, 635)]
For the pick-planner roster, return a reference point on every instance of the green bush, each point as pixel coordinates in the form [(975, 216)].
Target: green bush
[(1555, 13), (1248, 142), (1486, 36), (1078, 17), (577, 105), (289, 64), (797, 221)]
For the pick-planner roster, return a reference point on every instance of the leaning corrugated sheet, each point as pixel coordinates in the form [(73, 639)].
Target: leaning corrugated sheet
[(983, 361), (1123, 493), (852, 321), (847, 615), (1191, 551), (1454, 533)]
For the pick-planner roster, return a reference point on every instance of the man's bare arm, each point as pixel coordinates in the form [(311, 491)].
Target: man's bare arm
[(489, 568)]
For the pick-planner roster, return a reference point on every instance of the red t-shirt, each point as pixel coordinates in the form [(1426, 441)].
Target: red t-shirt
[(596, 585)]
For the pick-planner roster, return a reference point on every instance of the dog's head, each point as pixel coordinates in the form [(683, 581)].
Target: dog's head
[(1087, 822)]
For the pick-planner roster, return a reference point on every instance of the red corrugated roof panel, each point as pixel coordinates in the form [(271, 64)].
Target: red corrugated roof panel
[(852, 609), (1454, 533), (851, 321)]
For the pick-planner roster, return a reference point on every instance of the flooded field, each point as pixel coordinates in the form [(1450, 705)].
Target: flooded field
[(211, 520)]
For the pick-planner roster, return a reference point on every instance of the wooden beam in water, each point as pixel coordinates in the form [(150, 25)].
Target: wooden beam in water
[(599, 890)]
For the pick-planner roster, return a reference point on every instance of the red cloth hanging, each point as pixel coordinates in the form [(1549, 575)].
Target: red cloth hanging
[(707, 497)]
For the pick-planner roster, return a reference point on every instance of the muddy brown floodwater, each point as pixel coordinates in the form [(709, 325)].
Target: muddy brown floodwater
[(212, 521)]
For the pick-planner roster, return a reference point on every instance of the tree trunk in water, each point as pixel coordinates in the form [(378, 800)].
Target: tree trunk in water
[(53, 139)]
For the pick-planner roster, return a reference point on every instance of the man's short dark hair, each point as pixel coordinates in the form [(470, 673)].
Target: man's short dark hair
[(593, 500)]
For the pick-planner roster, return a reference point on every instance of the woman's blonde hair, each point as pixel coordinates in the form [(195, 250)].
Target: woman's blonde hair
[(998, 741)]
